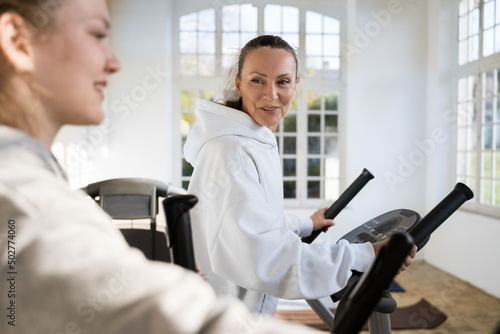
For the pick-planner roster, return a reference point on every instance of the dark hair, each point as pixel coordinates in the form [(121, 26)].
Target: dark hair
[(231, 99)]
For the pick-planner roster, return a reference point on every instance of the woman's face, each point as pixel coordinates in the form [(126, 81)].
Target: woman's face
[(72, 62), (267, 86)]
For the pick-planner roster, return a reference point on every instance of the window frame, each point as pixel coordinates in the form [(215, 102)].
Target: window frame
[(477, 67)]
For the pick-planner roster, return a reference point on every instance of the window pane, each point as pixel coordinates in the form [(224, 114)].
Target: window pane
[(489, 15), (313, 167), (189, 65), (332, 170), (497, 20), (471, 164), (462, 53), (272, 19), (249, 18), (497, 164), (463, 8), (314, 123), (289, 189), (313, 22), (290, 19), (332, 189), (207, 43), (187, 122), (331, 45), (188, 22), (206, 66), (486, 191), (496, 199), (331, 101), (331, 25), (187, 42), (486, 164), (292, 39), (289, 167), (488, 111), (314, 66), (331, 123), (497, 117), (188, 99), (461, 139), (206, 20), (313, 189), (230, 18), (187, 169), (497, 38), (313, 45), (497, 137), (331, 146), (290, 145), (313, 101), (313, 145), (474, 48), (230, 43), (290, 123), (207, 94), (487, 137), (471, 139), (462, 28), (488, 42), (461, 163), (474, 22)]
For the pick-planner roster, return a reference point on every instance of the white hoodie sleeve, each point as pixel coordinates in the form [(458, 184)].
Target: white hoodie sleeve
[(273, 260), (301, 226)]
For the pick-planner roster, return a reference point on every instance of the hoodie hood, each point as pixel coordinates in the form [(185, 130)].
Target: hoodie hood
[(215, 120)]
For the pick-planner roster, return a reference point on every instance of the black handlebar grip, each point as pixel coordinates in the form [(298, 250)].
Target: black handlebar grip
[(343, 200), (458, 196), (179, 229)]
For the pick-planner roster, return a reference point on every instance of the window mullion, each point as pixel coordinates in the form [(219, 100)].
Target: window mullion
[(479, 136), (302, 146)]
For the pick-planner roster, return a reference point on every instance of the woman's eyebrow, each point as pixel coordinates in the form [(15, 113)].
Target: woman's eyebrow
[(265, 75)]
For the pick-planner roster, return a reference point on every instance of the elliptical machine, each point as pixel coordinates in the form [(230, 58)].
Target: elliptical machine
[(365, 296)]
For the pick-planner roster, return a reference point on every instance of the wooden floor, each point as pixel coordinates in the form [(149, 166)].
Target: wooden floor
[(469, 310)]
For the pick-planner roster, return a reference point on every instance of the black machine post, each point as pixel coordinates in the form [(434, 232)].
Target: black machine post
[(359, 302), (343, 200), (179, 229)]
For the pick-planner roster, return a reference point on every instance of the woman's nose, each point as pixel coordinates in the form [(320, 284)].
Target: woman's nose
[(113, 64), (271, 92)]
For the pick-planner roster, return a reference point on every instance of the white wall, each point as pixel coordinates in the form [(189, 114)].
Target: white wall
[(139, 96), (399, 84)]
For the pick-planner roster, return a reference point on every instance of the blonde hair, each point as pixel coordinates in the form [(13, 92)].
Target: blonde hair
[(39, 17)]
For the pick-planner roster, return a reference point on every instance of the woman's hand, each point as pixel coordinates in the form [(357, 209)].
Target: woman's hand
[(320, 222), (409, 258)]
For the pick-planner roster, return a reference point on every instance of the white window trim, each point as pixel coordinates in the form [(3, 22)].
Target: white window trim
[(476, 67)]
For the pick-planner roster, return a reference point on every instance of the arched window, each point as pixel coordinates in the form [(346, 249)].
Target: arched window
[(308, 136)]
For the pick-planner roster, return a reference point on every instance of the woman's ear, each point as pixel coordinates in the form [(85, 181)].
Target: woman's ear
[(237, 84), (15, 41)]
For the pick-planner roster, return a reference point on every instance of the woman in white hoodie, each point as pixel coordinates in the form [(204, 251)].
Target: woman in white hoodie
[(243, 239), (64, 267)]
